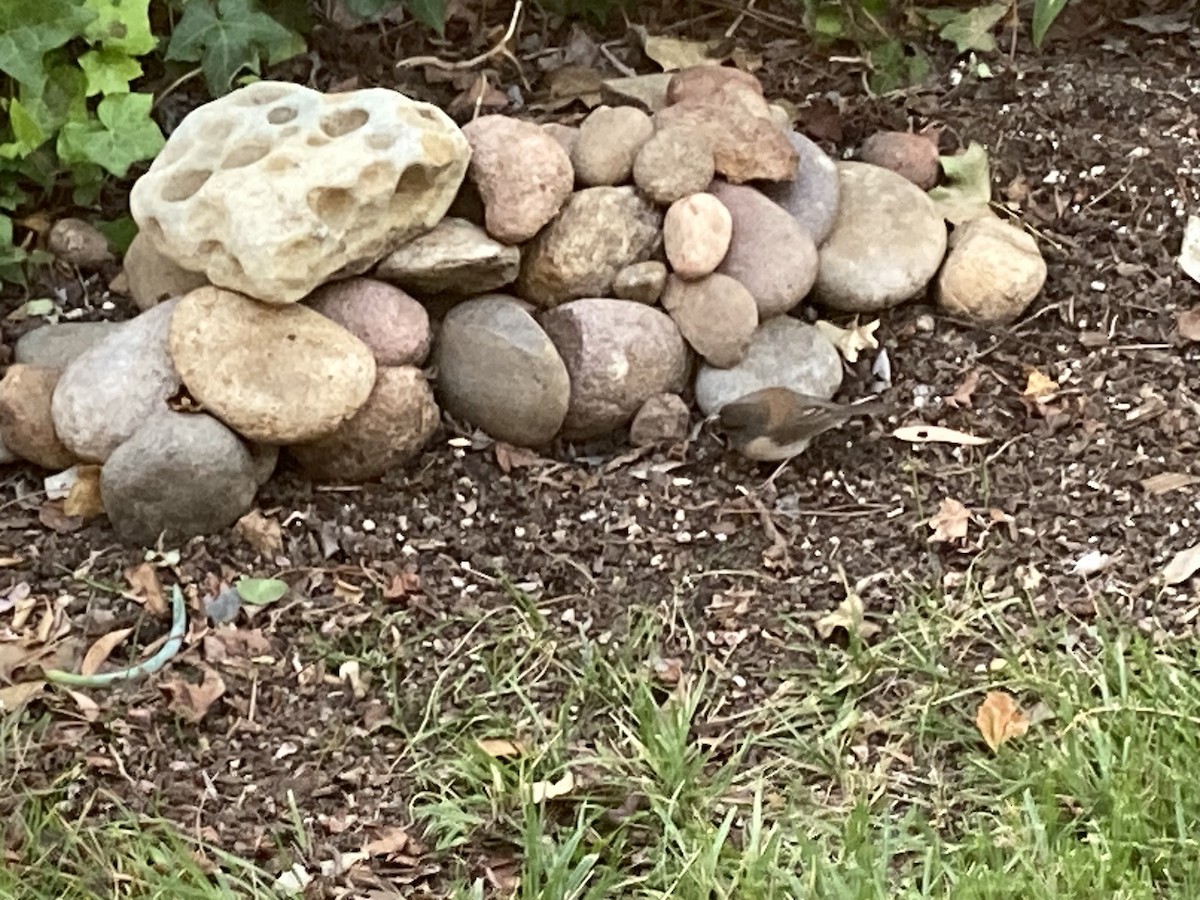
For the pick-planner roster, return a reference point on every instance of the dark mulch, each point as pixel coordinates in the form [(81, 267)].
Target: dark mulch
[(1095, 140)]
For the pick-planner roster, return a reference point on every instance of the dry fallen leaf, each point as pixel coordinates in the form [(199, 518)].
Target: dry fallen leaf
[(1165, 482), (1000, 719), (1189, 250), (1039, 386), (962, 394), (926, 434), (1182, 565), (191, 701), (14, 696), (499, 748), (509, 457), (147, 588), (540, 791), (262, 533), (950, 522), (849, 341), (847, 616), (100, 650), (392, 840), (83, 500), (1188, 323), (674, 54)]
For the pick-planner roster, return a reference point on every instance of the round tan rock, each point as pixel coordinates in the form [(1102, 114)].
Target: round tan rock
[(522, 173), (703, 82), (26, 426), (991, 274), (398, 419), (674, 163), (715, 315), (274, 374), (696, 235), (609, 140), (912, 156)]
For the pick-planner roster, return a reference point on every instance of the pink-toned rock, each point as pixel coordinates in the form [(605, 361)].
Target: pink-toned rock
[(152, 277), (674, 163), (696, 235), (663, 419), (745, 146), (702, 82), (391, 428), (390, 322), (771, 253), (79, 243), (618, 354), (609, 140), (522, 173), (26, 425), (913, 156), (599, 232), (715, 315)]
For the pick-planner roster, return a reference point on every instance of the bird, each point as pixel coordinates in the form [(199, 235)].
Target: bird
[(776, 423)]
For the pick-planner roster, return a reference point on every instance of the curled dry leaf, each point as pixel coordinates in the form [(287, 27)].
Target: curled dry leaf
[(262, 533), (83, 499), (192, 701), (850, 341), (849, 617), (674, 53), (14, 696), (541, 791), (962, 394), (950, 522), (1183, 565), (1092, 563), (147, 589), (500, 748), (392, 840), (999, 719), (1188, 323), (928, 434), (101, 649)]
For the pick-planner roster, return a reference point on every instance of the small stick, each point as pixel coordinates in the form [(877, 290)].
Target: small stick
[(500, 48)]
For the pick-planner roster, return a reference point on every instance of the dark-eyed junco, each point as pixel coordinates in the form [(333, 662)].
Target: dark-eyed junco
[(777, 423)]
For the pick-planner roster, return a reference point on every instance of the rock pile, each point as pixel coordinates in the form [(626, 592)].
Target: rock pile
[(302, 256)]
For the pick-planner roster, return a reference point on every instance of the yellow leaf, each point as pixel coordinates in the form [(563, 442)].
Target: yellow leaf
[(1039, 386), (83, 500), (1000, 719), (499, 748), (541, 791)]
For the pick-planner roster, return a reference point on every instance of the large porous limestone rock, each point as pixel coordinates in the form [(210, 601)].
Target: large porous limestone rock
[(274, 188)]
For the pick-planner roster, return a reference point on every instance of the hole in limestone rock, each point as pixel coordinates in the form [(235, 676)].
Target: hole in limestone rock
[(316, 140), (183, 185), (153, 228), (381, 141), (281, 115), (280, 164), (377, 177), (209, 248), (343, 121), (416, 180), (262, 94), (332, 206), (245, 155)]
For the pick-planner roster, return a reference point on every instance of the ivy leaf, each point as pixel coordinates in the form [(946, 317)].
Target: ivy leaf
[(369, 9), (11, 256), (260, 591), (226, 38), (121, 25), (59, 95), (969, 29), (122, 134), (29, 135), (30, 28), (431, 13), (968, 188), (109, 71), (1044, 14)]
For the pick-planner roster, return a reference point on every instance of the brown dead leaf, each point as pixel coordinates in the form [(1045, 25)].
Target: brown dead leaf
[(263, 533), (402, 585), (1165, 482), (1183, 565), (147, 588), (500, 748), (228, 644), (101, 649), (962, 394), (191, 701), (481, 94), (14, 696), (822, 121), (83, 500), (999, 719), (668, 671), (53, 516), (392, 840), (1039, 386), (1188, 323), (509, 457), (950, 522), (673, 54)]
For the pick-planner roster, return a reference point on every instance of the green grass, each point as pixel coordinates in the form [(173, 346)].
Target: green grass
[(857, 772)]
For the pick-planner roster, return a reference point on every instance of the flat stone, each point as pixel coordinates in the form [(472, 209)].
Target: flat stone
[(458, 257), (275, 375), (56, 346)]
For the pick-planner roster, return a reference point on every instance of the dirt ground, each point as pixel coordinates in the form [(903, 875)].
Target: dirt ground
[(1095, 143)]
